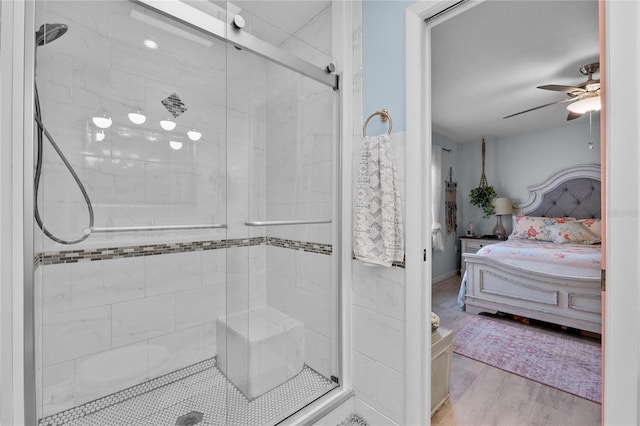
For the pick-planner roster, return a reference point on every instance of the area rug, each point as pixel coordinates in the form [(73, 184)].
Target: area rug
[(562, 363)]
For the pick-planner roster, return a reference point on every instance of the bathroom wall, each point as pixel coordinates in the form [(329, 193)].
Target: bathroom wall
[(300, 153), (378, 292), (149, 301)]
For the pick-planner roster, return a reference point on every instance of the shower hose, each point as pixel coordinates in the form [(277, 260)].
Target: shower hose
[(42, 131)]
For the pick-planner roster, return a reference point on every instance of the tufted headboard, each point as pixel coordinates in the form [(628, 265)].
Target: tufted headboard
[(571, 192)]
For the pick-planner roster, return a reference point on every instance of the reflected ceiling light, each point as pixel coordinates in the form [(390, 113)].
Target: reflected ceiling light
[(100, 136), (194, 135), (175, 145), (157, 23), (591, 103), (103, 121), (168, 124), (137, 117), (150, 44)]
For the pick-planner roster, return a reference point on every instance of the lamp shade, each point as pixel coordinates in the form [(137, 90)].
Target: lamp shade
[(502, 205), (591, 103)]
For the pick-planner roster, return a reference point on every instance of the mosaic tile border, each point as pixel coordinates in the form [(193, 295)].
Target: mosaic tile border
[(300, 245), (125, 394), (75, 256)]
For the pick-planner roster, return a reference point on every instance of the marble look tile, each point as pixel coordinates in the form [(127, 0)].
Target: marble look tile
[(214, 267), (379, 337), (54, 173), (379, 387), (364, 378), (390, 393), (390, 293), (315, 272), (107, 372), (313, 41), (172, 272), (199, 306), (314, 310), (364, 287), (238, 263), (54, 282), (237, 296), (281, 280), (70, 335), (186, 347), (379, 289), (318, 353), (58, 387), (142, 319), (106, 282), (128, 178)]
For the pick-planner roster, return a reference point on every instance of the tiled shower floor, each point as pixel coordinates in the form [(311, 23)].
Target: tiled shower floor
[(206, 391)]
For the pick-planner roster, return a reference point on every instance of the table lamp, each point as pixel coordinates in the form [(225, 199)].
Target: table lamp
[(502, 205)]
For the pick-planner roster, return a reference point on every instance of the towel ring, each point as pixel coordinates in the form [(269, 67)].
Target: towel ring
[(384, 116)]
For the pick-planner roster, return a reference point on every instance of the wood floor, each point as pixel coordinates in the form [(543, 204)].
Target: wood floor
[(485, 395)]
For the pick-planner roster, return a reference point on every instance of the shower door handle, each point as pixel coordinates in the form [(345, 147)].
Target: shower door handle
[(286, 222)]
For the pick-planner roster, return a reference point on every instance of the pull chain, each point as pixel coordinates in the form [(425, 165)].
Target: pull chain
[(590, 143)]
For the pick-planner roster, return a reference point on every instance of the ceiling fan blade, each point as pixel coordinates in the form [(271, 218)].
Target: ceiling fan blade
[(541, 106), (560, 88), (573, 115)]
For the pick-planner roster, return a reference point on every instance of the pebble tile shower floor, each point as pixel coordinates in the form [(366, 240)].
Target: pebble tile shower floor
[(207, 392)]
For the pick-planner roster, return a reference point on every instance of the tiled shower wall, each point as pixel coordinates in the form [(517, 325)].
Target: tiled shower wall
[(300, 283), (108, 324)]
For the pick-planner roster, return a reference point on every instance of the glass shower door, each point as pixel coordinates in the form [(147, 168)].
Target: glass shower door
[(206, 290), (126, 319), (281, 339)]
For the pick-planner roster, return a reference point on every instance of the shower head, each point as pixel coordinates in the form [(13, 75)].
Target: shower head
[(49, 32)]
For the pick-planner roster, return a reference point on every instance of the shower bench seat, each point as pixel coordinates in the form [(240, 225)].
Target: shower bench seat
[(259, 349)]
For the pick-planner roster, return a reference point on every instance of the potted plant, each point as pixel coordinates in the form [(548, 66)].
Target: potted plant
[(482, 197), (483, 194)]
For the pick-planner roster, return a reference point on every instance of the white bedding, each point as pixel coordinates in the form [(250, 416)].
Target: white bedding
[(564, 260)]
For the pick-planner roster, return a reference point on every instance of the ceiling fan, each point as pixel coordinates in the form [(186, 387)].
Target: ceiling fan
[(584, 97)]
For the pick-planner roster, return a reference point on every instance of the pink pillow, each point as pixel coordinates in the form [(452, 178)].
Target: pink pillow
[(532, 227), (593, 225), (570, 232)]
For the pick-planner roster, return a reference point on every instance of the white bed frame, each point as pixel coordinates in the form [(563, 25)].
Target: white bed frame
[(494, 287)]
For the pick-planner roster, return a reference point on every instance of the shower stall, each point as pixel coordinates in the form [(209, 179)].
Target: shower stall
[(187, 197)]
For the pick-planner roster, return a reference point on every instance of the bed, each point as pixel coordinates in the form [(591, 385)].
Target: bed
[(539, 275)]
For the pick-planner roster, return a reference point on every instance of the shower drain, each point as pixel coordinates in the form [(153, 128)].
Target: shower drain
[(190, 419)]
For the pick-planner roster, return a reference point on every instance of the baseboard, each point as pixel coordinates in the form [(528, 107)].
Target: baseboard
[(444, 276)]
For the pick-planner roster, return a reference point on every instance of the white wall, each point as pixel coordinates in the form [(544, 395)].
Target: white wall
[(516, 162), (447, 262), (299, 161)]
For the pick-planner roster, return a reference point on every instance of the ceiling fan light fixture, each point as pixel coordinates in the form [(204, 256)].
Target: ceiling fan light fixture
[(582, 106)]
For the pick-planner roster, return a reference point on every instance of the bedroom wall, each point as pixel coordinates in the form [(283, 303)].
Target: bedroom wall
[(513, 163), (446, 263)]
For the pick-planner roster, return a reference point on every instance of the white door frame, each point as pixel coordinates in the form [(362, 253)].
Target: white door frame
[(621, 60)]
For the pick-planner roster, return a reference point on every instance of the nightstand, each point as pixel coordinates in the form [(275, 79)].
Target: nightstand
[(472, 245)]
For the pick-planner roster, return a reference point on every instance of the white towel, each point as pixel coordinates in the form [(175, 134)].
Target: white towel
[(377, 235)]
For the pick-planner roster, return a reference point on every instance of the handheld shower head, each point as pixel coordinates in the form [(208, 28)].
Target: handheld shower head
[(49, 32)]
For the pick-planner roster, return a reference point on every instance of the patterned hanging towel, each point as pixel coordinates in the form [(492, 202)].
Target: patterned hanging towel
[(451, 207), (378, 230)]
